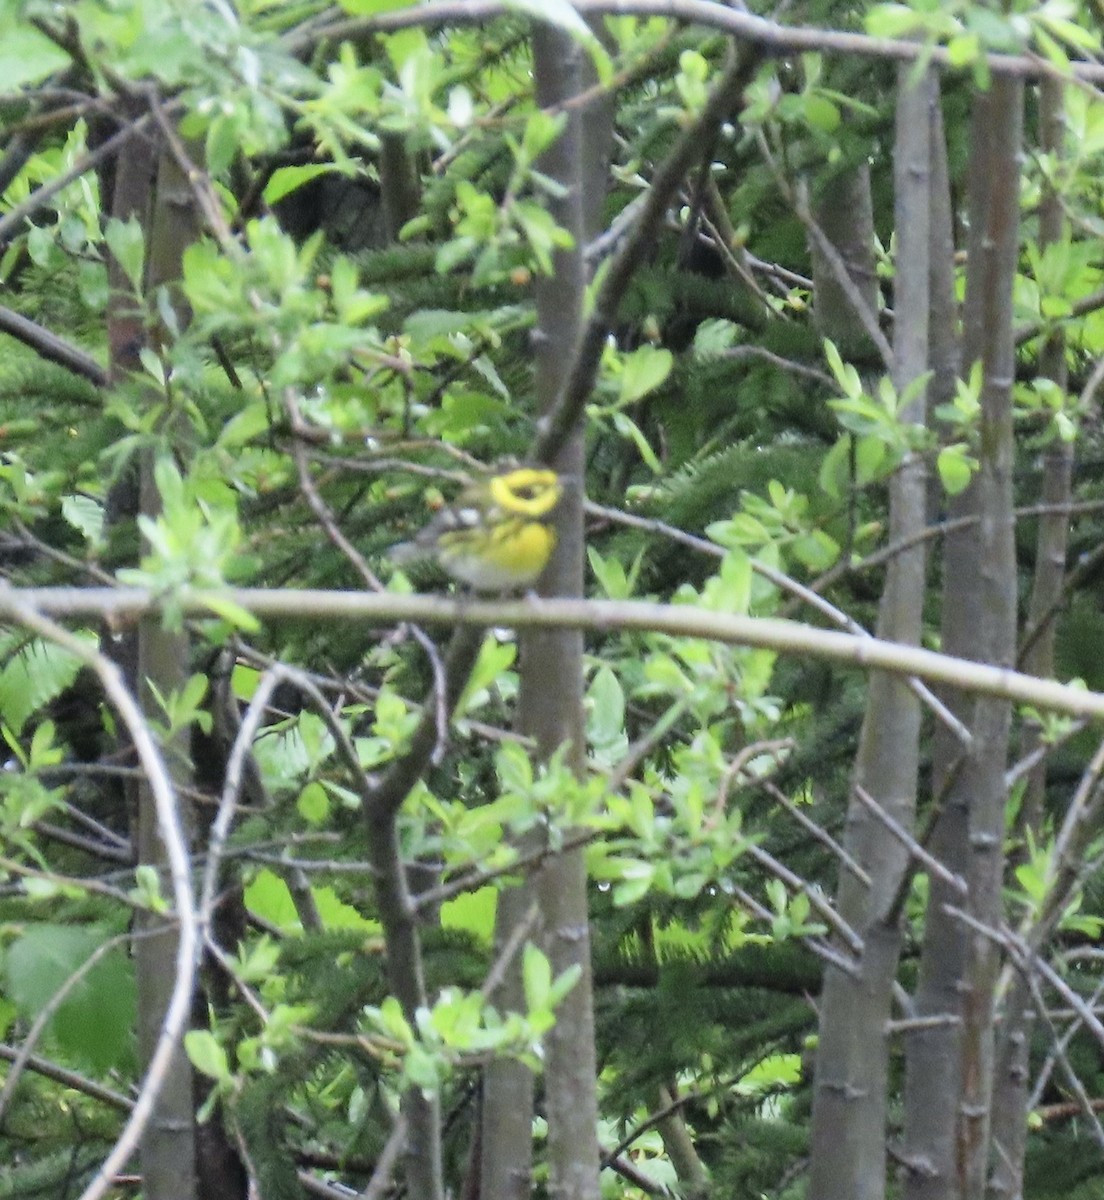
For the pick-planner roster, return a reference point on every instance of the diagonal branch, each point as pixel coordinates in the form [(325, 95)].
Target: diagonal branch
[(16, 215), (51, 347), (172, 834), (565, 414)]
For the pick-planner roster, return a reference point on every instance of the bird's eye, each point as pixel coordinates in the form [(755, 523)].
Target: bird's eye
[(528, 492)]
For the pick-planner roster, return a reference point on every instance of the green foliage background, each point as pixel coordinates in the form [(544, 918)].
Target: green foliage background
[(396, 372)]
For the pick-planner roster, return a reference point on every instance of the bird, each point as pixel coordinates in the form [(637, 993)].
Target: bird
[(496, 536)]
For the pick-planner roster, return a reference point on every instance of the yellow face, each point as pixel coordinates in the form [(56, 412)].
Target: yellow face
[(526, 492)]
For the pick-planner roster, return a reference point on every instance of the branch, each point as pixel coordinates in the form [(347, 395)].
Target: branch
[(26, 606), (565, 413), (17, 609), (757, 31), (70, 1079), (404, 772), (1079, 308), (12, 219), (52, 348)]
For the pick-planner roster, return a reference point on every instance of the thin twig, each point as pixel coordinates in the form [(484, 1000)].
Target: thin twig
[(224, 817), (172, 835), (785, 583), (822, 835), (761, 32), (42, 1018), (385, 1165), (916, 851), (70, 1079), (795, 198), (15, 216)]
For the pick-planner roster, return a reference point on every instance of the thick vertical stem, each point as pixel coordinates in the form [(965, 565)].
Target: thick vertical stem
[(164, 664), (551, 700), (506, 1113), (406, 981), (845, 213), (398, 184), (167, 1149), (1010, 1087), (382, 801), (850, 1101), (932, 1052), (994, 183)]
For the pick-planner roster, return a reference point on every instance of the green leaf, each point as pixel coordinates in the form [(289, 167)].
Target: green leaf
[(223, 141), (285, 180), (85, 515), (821, 113), (563, 983), (891, 20), (147, 889), (870, 454), (206, 1055), (313, 804), (629, 891), (337, 914), (776, 1071), (846, 375), (834, 476), (38, 673), (956, 468), (494, 659), (963, 50), (816, 550), (606, 710), (268, 897), (472, 912), (627, 427), (643, 371), (127, 244), (714, 336), (27, 56), (536, 973), (391, 1020), (231, 612), (95, 1019)]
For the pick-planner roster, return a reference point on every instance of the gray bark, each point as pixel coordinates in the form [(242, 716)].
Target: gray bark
[(1010, 1093), (994, 183), (932, 1053), (850, 1099)]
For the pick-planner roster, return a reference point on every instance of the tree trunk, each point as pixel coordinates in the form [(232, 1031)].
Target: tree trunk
[(550, 703), (1010, 1090), (994, 183), (850, 1099), (933, 1049)]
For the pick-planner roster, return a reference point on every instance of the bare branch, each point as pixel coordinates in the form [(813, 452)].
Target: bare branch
[(52, 348), (16, 609), (758, 31), (70, 1079), (771, 633), (564, 415)]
